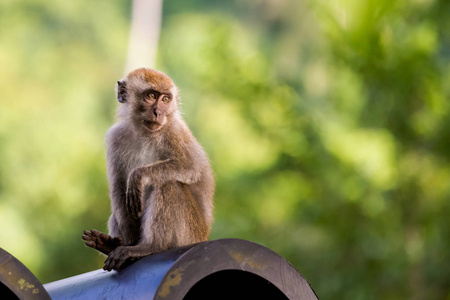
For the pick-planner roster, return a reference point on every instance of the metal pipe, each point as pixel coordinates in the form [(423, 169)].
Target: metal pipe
[(226, 268), (17, 282), (232, 267)]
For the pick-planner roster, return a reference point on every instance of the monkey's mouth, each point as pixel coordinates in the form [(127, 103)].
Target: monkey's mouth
[(151, 125)]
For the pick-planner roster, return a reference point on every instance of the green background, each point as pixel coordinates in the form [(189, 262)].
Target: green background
[(327, 124)]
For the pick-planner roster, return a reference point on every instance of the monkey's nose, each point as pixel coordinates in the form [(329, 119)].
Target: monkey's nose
[(156, 112)]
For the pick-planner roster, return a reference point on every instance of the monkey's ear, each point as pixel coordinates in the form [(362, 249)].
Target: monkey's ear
[(122, 96)]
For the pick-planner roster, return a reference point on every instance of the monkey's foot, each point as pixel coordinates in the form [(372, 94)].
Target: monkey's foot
[(124, 255), (117, 258), (101, 241)]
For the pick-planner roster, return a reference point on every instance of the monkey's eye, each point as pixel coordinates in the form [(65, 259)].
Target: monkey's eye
[(166, 99), (151, 96)]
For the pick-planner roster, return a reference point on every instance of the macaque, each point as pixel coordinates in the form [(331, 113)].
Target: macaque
[(160, 180)]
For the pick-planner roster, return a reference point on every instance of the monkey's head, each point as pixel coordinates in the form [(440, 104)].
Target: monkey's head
[(149, 98)]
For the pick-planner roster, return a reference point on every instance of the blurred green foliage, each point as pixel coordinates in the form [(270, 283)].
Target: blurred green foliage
[(327, 124)]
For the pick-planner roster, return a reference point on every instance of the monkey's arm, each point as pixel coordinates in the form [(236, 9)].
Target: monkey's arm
[(125, 226), (157, 174), (167, 170)]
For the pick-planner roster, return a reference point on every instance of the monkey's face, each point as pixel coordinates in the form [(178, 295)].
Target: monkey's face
[(153, 107), (150, 97)]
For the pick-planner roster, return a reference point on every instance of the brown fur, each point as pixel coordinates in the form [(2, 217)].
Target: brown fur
[(161, 184)]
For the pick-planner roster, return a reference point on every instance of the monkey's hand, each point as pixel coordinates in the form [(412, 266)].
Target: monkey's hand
[(101, 241), (134, 194)]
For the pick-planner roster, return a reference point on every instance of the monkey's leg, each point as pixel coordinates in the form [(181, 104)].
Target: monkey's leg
[(101, 241), (172, 219)]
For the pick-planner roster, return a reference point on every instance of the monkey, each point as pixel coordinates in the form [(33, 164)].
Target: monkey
[(161, 184)]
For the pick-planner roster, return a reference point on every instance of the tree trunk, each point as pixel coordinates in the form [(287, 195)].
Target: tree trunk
[(144, 34)]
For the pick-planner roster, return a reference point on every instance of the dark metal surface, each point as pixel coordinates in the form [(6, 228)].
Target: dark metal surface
[(17, 282), (188, 271)]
